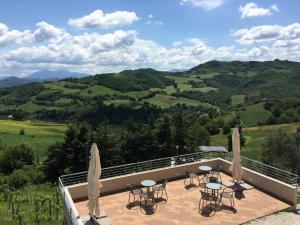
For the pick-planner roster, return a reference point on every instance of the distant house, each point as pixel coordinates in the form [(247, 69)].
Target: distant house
[(10, 117), (212, 149)]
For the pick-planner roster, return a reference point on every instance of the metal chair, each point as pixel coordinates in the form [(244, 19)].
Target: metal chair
[(191, 176), (228, 194), (217, 171), (205, 201), (161, 188), (136, 193)]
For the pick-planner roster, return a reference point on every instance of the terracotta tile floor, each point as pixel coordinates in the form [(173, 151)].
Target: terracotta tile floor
[(182, 208)]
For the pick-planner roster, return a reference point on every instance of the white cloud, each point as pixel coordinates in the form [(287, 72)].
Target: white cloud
[(46, 31), (92, 52), (251, 9), (150, 16), (275, 8), (205, 4), (8, 36), (267, 33), (101, 20)]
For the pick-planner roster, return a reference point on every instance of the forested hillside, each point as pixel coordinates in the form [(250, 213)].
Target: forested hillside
[(240, 88)]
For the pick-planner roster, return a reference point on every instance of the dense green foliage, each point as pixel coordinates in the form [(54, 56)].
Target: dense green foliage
[(229, 86), (283, 151)]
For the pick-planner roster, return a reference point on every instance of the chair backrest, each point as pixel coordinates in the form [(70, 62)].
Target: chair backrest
[(164, 184), (213, 179)]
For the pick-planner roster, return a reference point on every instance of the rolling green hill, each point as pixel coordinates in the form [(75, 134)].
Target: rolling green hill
[(248, 87)]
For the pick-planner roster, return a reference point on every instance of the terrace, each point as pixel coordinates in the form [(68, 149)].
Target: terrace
[(274, 190)]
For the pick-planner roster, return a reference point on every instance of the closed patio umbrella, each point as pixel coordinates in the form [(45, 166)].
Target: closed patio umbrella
[(94, 184), (236, 167)]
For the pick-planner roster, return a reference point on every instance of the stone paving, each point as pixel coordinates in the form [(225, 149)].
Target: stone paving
[(182, 207)]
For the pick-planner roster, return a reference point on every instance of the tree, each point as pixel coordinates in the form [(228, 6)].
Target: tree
[(15, 158), (282, 150), (198, 136), (180, 133), (226, 129)]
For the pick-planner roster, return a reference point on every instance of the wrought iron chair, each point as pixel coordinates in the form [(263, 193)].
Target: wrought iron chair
[(228, 193), (136, 193), (191, 176), (161, 188), (217, 171), (205, 202)]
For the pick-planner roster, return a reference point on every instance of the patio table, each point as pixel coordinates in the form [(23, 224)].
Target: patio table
[(148, 184), (214, 187), (205, 169)]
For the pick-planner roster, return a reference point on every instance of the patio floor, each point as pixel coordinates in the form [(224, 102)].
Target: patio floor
[(182, 208)]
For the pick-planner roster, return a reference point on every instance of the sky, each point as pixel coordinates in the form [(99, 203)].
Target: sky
[(99, 36)]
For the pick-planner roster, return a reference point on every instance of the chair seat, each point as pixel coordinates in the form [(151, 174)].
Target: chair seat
[(193, 175), (226, 195), (136, 191), (157, 188), (208, 197)]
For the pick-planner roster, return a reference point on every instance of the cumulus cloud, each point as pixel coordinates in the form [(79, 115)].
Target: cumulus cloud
[(205, 4), (92, 52), (47, 31), (44, 32), (8, 36), (101, 20), (267, 33), (251, 9)]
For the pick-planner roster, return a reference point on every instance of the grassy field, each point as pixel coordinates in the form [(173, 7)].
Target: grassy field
[(255, 137), (39, 135), (237, 99), (254, 113), (165, 101)]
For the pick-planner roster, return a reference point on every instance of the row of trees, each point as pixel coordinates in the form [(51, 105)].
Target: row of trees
[(136, 142)]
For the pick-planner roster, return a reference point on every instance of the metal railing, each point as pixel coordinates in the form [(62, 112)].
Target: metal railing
[(126, 169), (66, 205), (270, 171)]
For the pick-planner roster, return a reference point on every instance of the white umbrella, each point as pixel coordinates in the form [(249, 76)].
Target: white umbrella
[(236, 167), (94, 184)]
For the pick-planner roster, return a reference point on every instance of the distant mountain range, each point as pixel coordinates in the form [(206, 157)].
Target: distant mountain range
[(54, 75), (39, 76)]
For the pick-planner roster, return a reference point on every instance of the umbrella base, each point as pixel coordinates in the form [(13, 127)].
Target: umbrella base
[(100, 220)]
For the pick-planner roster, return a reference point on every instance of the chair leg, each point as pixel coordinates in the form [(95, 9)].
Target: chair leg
[(129, 198), (166, 194)]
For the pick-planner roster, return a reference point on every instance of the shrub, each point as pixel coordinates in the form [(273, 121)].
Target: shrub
[(18, 179), (15, 158), (22, 132)]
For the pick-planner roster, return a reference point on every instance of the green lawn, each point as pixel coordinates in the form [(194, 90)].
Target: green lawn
[(255, 136), (39, 135), (237, 99), (254, 113)]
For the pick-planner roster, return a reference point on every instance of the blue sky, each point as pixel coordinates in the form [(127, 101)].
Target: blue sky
[(95, 36)]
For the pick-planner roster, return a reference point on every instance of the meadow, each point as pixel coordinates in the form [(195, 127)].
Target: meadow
[(39, 135)]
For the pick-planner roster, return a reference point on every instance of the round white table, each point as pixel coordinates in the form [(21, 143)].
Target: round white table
[(148, 184), (214, 187), (205, 168)]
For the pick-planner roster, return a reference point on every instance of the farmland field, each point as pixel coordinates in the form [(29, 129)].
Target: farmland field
[(237, 99), (39, 135), (254, 113)]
